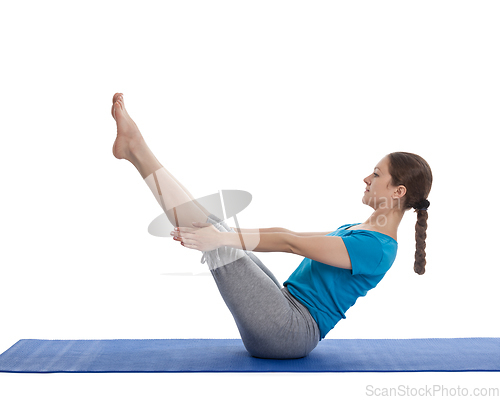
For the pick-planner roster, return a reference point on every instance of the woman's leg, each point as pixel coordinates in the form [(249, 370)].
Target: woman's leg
[(178, 204), (272, 323)]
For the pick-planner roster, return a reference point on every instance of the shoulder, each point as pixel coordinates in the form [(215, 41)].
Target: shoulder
[(343, 226), (374, 252), (365, 251), (371, 240), (363, 238)]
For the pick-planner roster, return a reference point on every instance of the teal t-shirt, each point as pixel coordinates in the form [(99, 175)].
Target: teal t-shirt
[(328, 291)]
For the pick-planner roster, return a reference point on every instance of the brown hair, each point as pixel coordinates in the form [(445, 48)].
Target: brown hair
[(413, 172)]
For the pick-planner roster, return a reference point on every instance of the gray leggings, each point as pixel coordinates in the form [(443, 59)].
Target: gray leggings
[(272, 323)]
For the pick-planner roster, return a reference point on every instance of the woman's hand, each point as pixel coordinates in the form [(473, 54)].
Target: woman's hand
[(203, 236)]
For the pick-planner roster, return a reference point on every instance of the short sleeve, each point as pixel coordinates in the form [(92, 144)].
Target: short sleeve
[(365, 252)]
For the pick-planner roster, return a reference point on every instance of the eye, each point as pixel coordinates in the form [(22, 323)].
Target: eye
[(375, 174)]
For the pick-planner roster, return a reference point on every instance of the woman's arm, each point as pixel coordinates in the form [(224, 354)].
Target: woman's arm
[(329, 250), (302, 234), (258, 241), (282, 230), (261, 230)]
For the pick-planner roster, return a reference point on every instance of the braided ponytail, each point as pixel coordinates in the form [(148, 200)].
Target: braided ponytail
[(420, 236), (413, 172)]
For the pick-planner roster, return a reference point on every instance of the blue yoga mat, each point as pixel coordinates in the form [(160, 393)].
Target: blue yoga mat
[(229, 355)]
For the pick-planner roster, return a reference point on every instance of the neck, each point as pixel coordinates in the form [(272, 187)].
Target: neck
[(385, 219)]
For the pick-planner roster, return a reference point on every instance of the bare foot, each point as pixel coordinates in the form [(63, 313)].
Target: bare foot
[(128, 133)]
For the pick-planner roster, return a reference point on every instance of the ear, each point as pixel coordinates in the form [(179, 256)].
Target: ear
[(399, 192)]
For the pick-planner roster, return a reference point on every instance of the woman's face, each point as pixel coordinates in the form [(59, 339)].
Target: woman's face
[(379, 192)]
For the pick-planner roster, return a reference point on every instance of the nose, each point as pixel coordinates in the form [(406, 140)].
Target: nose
[(367, 180)]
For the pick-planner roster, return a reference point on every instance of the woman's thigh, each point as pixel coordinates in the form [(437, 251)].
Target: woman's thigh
[(271, 322)]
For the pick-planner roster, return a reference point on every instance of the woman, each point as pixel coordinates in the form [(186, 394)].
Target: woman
[(288, 321)]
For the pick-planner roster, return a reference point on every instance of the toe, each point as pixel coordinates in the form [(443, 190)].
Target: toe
[(115, 109), (117, 96), (118, 104)]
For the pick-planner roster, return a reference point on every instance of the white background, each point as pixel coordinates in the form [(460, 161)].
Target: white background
[(292, 101)]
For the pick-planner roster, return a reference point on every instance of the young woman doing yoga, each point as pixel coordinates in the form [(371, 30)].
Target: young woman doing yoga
[(288, 321)]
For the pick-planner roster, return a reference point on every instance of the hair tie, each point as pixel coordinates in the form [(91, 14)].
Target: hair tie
[(422, 205)]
